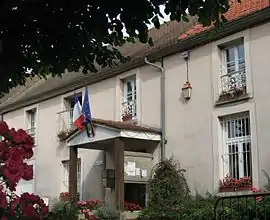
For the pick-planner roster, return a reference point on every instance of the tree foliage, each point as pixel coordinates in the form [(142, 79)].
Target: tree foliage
[(50, 36)]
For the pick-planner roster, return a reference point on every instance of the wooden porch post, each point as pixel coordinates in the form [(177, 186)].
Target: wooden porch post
[(119, 173), (73, 155)]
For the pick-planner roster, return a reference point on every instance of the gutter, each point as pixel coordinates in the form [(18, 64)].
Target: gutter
[(162, 105), (229, 28)]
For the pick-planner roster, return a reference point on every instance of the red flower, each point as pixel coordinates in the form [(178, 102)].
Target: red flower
[(28, 172), (14, 149)]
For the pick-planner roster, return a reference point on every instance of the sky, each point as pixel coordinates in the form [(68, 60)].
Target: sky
[(166, 17)]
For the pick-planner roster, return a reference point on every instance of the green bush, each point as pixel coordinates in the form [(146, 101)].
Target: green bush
[(64, 211), (169, 199), (105, 213)]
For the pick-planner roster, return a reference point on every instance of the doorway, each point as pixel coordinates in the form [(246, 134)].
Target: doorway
[(135, 193)]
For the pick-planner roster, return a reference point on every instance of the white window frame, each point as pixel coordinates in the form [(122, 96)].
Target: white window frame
[(65, 180), (24, 182), (236, 141), (217, 62), (31, 116), (132, 80), (240, 73)]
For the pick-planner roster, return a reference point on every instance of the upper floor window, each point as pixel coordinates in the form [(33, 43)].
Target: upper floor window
[(31, 116), (236, 145), (129, 110), (233, 72)]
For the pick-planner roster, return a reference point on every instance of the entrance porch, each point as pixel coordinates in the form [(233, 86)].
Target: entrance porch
[(130, 152)]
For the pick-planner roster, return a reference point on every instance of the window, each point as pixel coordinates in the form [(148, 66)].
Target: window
[(129, 97), (233, 74), (66, 175), (236, 145), (26, 186), (31, 123)]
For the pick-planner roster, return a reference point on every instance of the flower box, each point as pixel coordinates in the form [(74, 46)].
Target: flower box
[(230, 184), (235, 189)]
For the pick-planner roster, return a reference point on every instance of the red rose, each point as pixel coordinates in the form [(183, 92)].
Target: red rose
[(28, 172), (3, 200), (15, 154), (28, 210)]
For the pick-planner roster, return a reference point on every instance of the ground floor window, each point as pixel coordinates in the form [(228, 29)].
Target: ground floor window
[(135, 193), (26, 186), (236, 145), (66, 175)]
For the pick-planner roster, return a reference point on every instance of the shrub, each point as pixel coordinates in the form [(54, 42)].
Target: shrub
[(106, 213), (15, 148), (64, 210)]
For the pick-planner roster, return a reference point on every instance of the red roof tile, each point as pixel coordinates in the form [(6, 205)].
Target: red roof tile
[(236, 11)]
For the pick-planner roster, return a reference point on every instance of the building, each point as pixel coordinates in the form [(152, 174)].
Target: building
[(221, 129)]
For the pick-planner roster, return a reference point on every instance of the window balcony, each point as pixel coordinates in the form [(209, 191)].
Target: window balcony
[(65, 122), (129, 110), (232, 82)]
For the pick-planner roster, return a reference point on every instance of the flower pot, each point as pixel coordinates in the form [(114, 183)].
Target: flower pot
[(127, 117), (235, 189)]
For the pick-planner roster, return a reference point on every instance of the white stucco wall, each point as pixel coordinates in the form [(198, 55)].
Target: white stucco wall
[(192, 127)]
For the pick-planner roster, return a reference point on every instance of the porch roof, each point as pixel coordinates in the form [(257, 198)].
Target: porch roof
[(106, 130)]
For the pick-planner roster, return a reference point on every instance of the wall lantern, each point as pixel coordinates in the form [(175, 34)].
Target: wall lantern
[(186, 90), (108, 178)]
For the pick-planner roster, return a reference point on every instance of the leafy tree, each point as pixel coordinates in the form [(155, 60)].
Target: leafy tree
[(50, 36)]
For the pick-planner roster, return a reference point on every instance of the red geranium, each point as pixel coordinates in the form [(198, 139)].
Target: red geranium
[(17, 146)]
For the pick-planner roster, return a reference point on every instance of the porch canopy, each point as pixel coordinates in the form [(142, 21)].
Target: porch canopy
[(114, 137)]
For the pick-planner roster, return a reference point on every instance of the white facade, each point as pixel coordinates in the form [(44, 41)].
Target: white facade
[(197, 130)]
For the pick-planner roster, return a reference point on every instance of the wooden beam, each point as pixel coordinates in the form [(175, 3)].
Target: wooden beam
[(119, 149), (73, 155)]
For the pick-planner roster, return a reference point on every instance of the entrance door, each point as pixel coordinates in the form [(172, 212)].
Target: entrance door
[(135, 193)]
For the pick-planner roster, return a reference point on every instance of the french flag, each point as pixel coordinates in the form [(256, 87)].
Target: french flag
[(78, 117)]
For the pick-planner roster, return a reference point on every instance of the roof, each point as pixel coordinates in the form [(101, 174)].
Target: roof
[(125, 126), (118, 125), (236, 11), (166, 35), (166, 41)]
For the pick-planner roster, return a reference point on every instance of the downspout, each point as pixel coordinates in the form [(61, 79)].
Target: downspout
[(162, 106)]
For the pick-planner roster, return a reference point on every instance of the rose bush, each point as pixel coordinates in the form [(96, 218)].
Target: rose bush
[(15, 148)]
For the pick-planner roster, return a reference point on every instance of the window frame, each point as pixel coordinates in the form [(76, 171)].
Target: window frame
[(65, 179), (133, 102), (238, 72), (32, 182), (239, 142), (31, 116)]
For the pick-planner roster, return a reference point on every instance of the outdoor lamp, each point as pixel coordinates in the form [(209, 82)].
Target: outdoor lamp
[(186, 90)]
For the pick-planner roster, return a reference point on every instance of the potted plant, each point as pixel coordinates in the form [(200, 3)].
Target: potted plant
[(232, 94), (230, 184), (62, 135), (127, 113)]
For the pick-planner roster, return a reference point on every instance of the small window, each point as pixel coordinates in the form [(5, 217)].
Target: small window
[(129, 98), (236, 145), (66, 175), (233, 72), (32, 123)]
